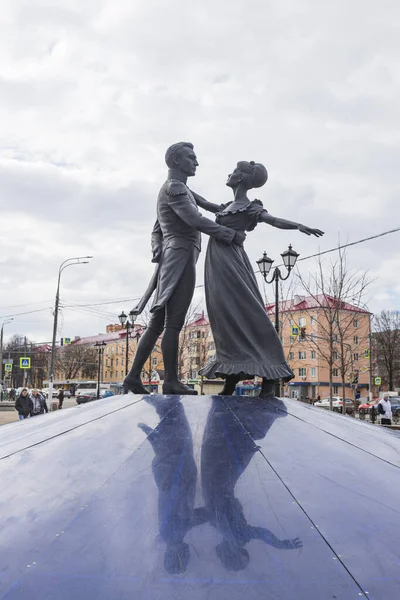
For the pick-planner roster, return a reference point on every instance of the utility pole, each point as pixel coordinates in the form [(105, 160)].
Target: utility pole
[(25, 371), (78, 260), (1, 354)]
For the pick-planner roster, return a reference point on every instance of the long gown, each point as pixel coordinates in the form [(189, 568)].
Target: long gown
[(246, 342)]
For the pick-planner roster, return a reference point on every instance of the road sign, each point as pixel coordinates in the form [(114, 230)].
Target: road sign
[(378, 380), (8, 367), (24, 362), (66, 341), (364, 369), (295, 331)]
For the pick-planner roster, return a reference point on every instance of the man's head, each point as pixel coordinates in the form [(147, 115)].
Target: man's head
[(182, 157)]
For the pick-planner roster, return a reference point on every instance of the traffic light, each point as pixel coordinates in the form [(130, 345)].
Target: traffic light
[(355, 378), (303, 333)]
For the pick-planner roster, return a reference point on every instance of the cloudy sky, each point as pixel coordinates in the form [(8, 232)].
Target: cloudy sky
[(93, 92)]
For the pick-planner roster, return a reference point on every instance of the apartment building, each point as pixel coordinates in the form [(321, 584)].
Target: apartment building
[(319, 331)]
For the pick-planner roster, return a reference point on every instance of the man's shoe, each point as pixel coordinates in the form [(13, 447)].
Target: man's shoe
[(179, 389), (135, 386)]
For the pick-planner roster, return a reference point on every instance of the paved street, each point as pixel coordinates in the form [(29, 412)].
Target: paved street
[(9, 416)]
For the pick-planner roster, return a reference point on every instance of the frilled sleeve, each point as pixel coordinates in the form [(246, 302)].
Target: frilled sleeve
[(256, 213)]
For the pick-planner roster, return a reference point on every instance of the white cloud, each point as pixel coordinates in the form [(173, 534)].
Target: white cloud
[(93, 92)]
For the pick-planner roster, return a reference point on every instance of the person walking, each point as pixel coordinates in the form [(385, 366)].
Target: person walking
[(39, 405), (60, 398), (23, 405), (385, 411)]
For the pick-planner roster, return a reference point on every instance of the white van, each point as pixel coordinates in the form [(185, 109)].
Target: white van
[(85, 387)]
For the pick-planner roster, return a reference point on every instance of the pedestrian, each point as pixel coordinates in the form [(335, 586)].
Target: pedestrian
[(23, 405), (60, 398), (385, 411), (39, 405)]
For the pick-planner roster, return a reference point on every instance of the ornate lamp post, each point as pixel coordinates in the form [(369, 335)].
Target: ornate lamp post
[(100, 351), (265, 263), (123, 319)]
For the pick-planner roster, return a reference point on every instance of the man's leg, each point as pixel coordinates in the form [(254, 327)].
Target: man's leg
[(147, 342), (176, 310)]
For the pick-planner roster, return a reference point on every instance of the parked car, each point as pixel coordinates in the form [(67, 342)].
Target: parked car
[(364, 409), (337, 404), (395, 402), (91, 396)]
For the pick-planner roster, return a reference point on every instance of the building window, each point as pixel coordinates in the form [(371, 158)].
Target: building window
[(355, 323), (292, 339), (302, 322), (122, 373), (335, 390), (116, 350), (313, 371), (335, 372), (355, 339), (335, 356), (116, 361), (313, 354), (291, 355), (154, 362), (334, 337), (355, 356), (302, 355), (302, 372)]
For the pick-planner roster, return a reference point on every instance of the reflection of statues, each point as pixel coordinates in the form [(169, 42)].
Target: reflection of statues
[(176, 246), (226, 452), (175, 474), (245, 340)]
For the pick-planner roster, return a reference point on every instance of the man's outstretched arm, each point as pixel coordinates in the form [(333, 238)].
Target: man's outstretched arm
[(205, 204), (183, 207)]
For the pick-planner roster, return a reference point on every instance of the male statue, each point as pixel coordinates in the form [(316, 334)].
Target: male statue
[(176, 242)]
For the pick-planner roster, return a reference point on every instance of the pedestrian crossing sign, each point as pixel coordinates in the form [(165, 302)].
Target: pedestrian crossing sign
[(8, 367), (24, 362), (295, 331)]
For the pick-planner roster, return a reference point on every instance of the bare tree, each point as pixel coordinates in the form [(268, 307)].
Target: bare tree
[(184, 340), (387, 346), (335, 289), (77, 360), (154, 362)]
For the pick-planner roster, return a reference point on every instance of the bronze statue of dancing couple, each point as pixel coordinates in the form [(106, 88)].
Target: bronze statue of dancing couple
[(246, 343)]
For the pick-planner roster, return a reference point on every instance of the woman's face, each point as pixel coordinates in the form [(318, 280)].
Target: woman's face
[(234, 178)]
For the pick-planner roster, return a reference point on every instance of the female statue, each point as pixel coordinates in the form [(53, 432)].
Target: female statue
[(246, 342)]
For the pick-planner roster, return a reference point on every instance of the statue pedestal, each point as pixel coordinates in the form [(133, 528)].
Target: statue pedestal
[(190, 497)]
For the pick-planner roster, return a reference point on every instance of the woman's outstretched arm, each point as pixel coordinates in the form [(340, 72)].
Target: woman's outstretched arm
[(265, 217)]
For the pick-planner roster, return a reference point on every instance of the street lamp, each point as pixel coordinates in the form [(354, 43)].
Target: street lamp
[(1, 354), (289, 258), (77, 260), (100, 351), (123, 319)]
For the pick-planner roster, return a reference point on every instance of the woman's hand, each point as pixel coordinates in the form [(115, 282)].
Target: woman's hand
[(309, 231)]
